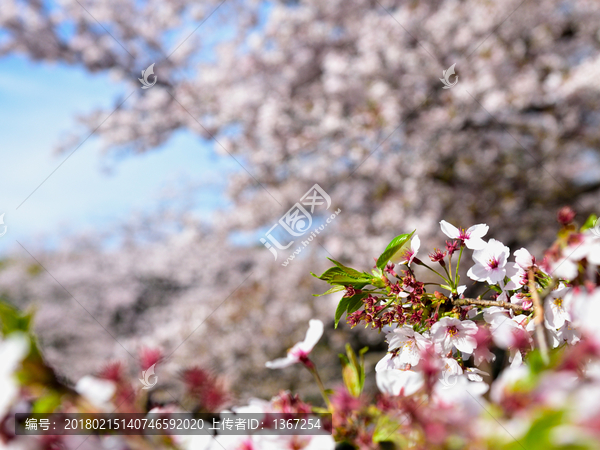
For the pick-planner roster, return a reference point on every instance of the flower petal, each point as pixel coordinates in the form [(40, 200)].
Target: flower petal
[(475, 243), (465, 344), (314, 333), (477, 273), (281, 363), (478, 231), (399, 382), (449, 230), (415, 244)]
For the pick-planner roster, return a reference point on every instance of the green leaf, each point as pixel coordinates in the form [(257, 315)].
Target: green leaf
[(356, 302), (341, 309), (396, 244), (349, 271), (496, 289), (349, 304), (542, 434), (589, 223), (337, 276), (336, 288), (361, 355), (12, 319), (48, 403), (353, 370), (386, 430), (328, 274), (319, 410)]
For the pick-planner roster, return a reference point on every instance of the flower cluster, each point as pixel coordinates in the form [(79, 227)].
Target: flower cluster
[(520, 368)]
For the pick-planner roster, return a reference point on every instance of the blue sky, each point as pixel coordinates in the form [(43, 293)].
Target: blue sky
[(39, 104)]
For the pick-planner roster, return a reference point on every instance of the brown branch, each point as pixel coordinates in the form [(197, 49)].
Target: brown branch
[(480, 302), (538, 318)]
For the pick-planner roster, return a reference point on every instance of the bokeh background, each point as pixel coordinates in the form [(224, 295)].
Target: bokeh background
[(134, 215)]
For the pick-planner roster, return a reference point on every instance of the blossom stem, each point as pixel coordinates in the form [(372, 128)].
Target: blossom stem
[(488, 290), (315, 374), (434, 271), (480, 302), (458, 264), (448, 274)]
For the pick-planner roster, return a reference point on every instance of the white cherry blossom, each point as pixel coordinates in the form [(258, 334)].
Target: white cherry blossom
[(408, 252), (471, 237), (557, 307), (12, 351), (399, 382), (490, 263), (449, 333), (408, 343), (301, 350), (97, 391)]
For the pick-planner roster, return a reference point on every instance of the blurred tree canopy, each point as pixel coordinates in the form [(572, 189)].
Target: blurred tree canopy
[(343, 94)]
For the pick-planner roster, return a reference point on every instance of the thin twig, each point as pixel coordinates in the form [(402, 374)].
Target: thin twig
[(538, 318), (480, 302)]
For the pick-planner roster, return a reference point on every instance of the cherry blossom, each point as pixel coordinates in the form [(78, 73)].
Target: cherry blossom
[(523, 262), (490, 262), (451, 367), (462, 395), (505, 383), (557, 307), (567, 333), (474, 374), (97, 391), (408, 343), (12, 351), (586, 310), (512, 333), (524, 259), (389, 362), (471, 237), (292, 442), (292, 70), (399, 382), (449, 333), (300, 351), (408, 252)]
